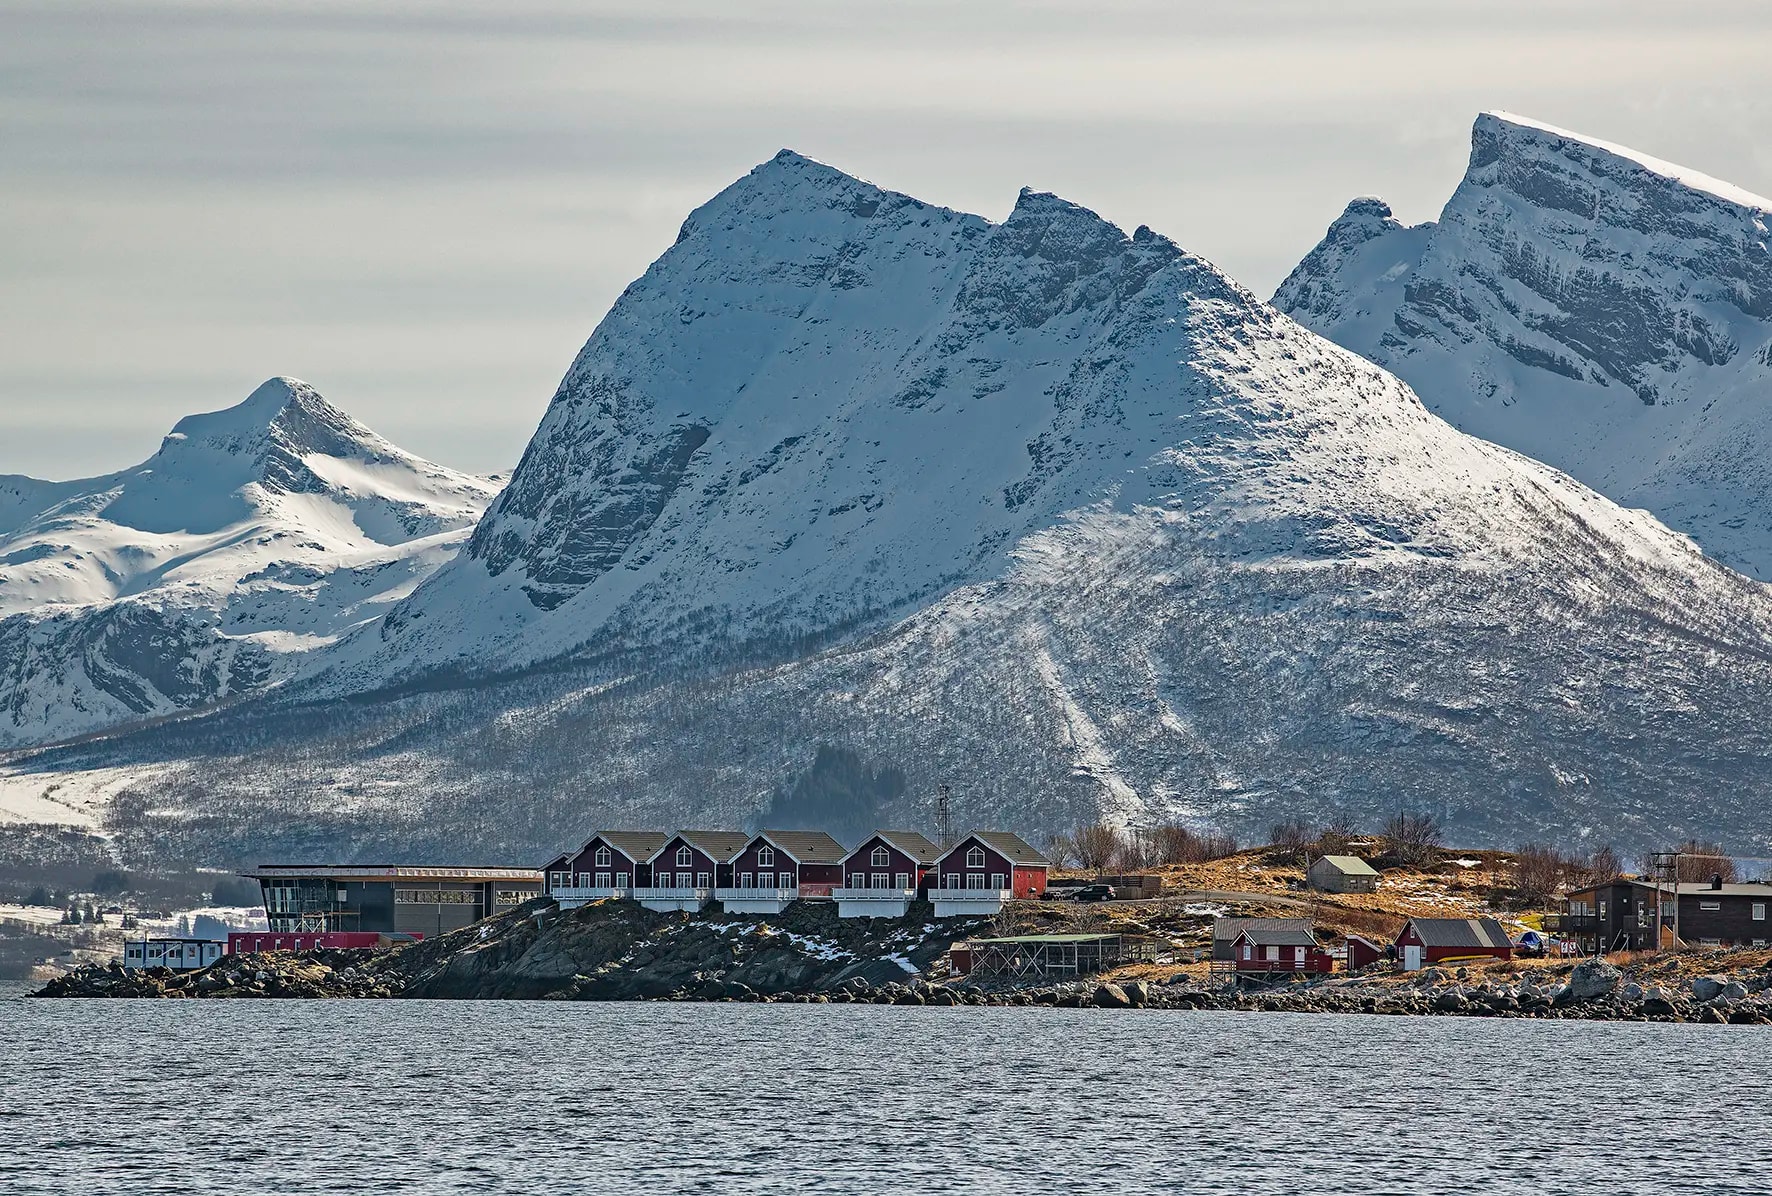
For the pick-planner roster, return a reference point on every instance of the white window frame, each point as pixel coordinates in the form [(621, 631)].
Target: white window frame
[(882, 880), (747, 880), (602, 858), (785, 880), (1710, 907), (766, 857), (999, 880), (975, 857), (901, 880), (1759, 912), (685, 856), (703, 880), (881, 858), (858, 880)]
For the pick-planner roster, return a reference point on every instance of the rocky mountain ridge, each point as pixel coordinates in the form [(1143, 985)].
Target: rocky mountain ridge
[(1597, 309)]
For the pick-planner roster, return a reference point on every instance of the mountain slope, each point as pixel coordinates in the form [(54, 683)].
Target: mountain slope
[(1600, 310), (253, 535), (1063, 518)]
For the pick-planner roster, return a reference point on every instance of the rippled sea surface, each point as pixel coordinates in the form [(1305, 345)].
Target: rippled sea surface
[(371, 1097)]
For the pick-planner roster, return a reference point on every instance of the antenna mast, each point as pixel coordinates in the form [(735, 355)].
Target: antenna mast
[(944, 817)]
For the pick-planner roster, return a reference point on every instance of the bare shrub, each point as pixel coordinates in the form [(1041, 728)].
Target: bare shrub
[(1337, 835)]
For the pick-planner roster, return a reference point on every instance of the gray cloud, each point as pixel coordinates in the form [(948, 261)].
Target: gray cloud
[(425, 209)]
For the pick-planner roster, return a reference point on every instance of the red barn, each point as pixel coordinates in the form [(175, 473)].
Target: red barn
[(778, 867), (1266, 948), (884, 873), (1424, 941), (689, 867), (985, 869)]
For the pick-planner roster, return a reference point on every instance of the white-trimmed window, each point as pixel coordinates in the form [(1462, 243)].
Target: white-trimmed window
[(903, 880), (881, 858), (621, 879), (786, 880), (882, 880), (747, 880), (603, 880), (765, 857), (584, 880), (975, 857), (975, 880), (1710, 906), (950, 880), (858, 880), (1759, 911), (685, 857), (1248, 951), (602, 858), (999, 880), (703, 880)]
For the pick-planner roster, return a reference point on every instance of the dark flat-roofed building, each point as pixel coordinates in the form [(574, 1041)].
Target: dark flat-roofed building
[(1621, 915), (389, 898)]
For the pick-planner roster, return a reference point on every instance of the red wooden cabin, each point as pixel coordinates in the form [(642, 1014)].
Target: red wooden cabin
[(1424, 941), (1268, 949)]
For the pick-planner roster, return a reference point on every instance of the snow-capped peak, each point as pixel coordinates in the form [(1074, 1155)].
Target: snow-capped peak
[(254, 534), (1496, 123), (1592, 306)]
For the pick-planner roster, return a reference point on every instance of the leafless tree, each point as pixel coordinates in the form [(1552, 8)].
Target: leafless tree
[(1337, 833), (1603, 865), (1538, 870), (1411, 838), (1290, 839), (1700, 861), (1060, 849), (1097, 846)]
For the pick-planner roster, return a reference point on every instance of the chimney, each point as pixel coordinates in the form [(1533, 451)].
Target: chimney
[(1716, 880)]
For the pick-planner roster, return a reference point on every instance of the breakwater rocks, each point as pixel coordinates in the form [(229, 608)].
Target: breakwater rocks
[(617, 951)]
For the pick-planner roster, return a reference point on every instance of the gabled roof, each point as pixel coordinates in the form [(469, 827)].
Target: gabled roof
[(1226, 929), (1348, 865), (1011, 847), (720, 846), (557, 863), (803, 847), (1459, 932), (639, 846), (919, 847), (1276, 936)]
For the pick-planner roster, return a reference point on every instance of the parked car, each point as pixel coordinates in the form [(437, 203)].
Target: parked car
[(1094, 893)]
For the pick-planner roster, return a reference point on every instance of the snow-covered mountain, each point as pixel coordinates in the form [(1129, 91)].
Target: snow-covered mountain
[(1590, 306), (255, 535), (1061, 517)]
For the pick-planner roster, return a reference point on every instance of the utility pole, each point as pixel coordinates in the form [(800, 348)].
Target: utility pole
[(944, 817)]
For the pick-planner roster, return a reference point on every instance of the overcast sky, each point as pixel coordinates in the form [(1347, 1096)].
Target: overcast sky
[(424, 208)]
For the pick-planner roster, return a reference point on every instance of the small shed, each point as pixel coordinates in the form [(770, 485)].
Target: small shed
[(1341, 874), (1362, 952), (1424, 941)]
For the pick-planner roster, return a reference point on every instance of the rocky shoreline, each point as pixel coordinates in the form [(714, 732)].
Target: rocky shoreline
[(621, 952)]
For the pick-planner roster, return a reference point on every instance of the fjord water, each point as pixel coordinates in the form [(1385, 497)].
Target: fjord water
[(469, 1097)]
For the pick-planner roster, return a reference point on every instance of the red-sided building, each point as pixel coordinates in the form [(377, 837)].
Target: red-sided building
[(891, 860), (883, 875), (617, 859), (689, 867), (1264, 948), (985, 869), (1424, 941), (778, 867)]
